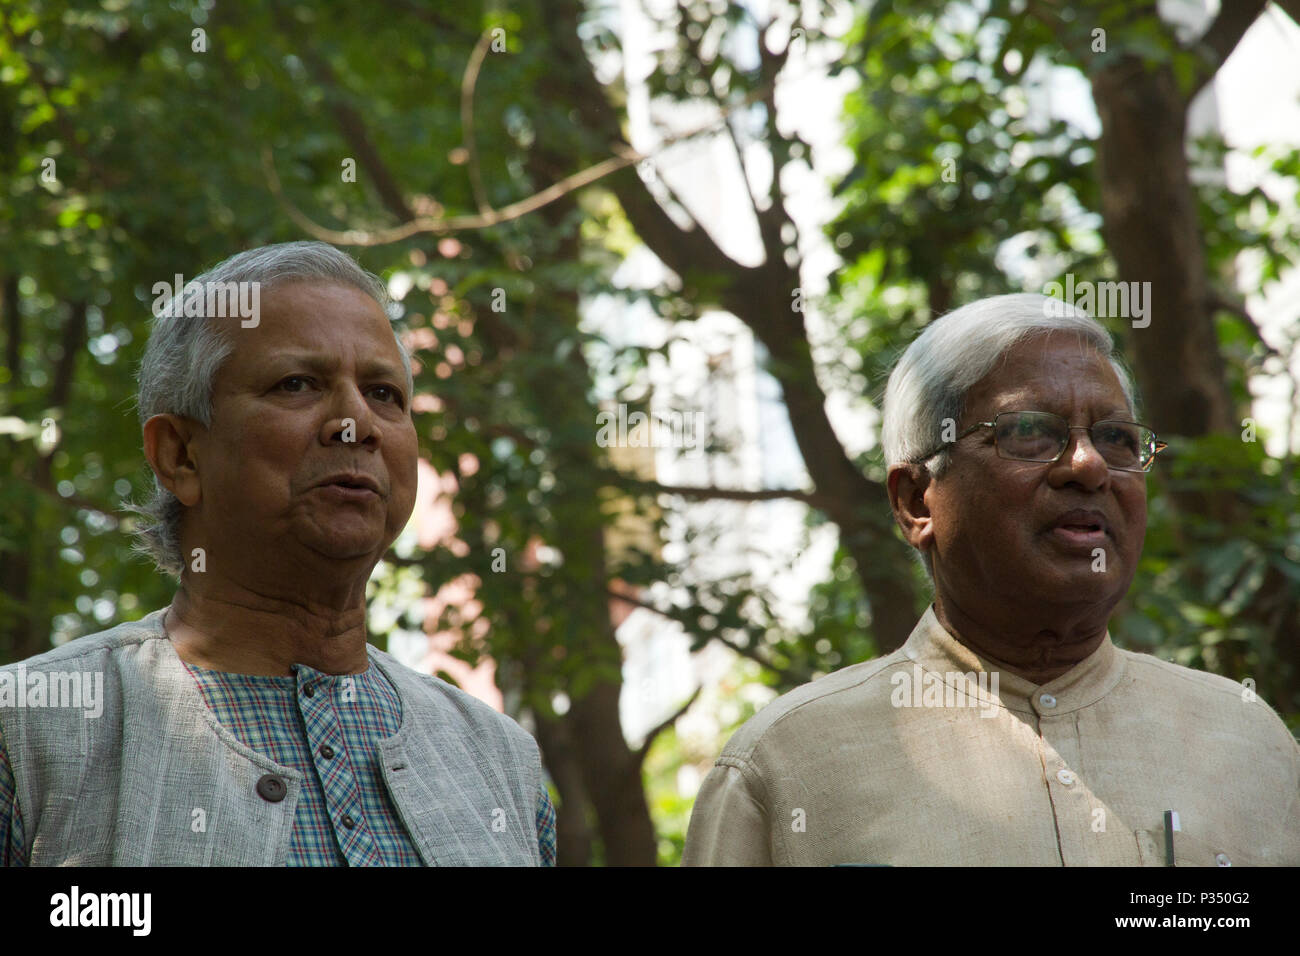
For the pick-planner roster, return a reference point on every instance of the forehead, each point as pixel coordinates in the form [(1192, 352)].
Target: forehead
[(1048, 372), (327, 318)]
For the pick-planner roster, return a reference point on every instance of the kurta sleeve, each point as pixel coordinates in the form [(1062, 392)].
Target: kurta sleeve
[(545, 827), (729, 824)]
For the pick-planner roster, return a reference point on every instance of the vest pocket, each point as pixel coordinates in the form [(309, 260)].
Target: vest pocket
[(52, 844), (1189, 850)]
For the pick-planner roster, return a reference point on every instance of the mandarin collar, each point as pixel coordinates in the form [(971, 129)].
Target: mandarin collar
[(935, 650)]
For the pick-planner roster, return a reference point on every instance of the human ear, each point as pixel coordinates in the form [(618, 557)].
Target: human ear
[(907, 485), (168, 446)]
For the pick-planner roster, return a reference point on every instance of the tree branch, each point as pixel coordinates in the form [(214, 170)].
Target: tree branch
[(642, 486), (663, 725), (1047, 14), (72, 501), (467, 85), (794, 675), (353, 129), (1219, 300), (1291, 8), (435, 224), (430, 15), (71, 342), (1222, 37), (13, 322), (775, 216), (744, 169), (682, 250), (439, 225), (93, 172), (350, 123)]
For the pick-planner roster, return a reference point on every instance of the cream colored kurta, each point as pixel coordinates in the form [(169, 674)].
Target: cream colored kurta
[(882, 763)]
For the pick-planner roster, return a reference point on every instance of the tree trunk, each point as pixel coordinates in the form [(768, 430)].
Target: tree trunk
[(610, 772), (15, 570), (763, 298), (572, 831), (1151, 228), (858, 506)]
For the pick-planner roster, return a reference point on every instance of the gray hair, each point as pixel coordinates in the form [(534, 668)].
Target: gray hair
[(929, 383), (183, 357)]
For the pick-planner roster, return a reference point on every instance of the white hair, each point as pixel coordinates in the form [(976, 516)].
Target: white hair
[(929, 382), (184, 355)]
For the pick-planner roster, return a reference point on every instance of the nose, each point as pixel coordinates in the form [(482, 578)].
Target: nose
[(349, 420), (1081, 460)]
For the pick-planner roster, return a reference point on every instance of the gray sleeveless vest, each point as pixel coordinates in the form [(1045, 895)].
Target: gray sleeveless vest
[(120, 788)]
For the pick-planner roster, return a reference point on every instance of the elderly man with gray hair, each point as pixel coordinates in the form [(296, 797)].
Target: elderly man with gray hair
[(1009, 730), (250, 723)]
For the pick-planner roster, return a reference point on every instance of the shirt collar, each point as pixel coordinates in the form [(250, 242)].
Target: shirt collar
[(936, 651)]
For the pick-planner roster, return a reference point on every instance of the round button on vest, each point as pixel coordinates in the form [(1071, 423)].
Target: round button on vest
[(272, 788), (326, 751)]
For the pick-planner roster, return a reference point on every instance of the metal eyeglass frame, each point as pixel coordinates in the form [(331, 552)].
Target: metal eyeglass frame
[(1158, 446)]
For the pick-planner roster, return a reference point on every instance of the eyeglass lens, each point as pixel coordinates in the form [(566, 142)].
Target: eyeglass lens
[(1042, 436)]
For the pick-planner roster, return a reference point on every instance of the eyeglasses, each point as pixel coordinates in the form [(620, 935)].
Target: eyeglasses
[(1043, 437)]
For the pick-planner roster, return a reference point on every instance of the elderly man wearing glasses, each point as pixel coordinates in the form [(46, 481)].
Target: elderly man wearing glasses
[(1009, 730)]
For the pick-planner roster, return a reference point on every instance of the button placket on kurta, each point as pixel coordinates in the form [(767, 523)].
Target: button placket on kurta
[(1071, 801), (316, 696), (1082, 835), (1052, 715), (272, 716)]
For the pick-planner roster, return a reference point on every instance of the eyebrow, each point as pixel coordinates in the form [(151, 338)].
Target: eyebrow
[(324, 364), (1115, 412)]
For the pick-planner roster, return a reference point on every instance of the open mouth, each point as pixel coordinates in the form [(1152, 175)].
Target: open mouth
[(1080, 530), (1083, 536)]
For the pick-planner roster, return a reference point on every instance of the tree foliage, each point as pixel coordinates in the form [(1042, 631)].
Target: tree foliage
[(133, 148)]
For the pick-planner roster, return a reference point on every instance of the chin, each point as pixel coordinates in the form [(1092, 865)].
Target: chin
[(348, 550), (1088, 587)]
